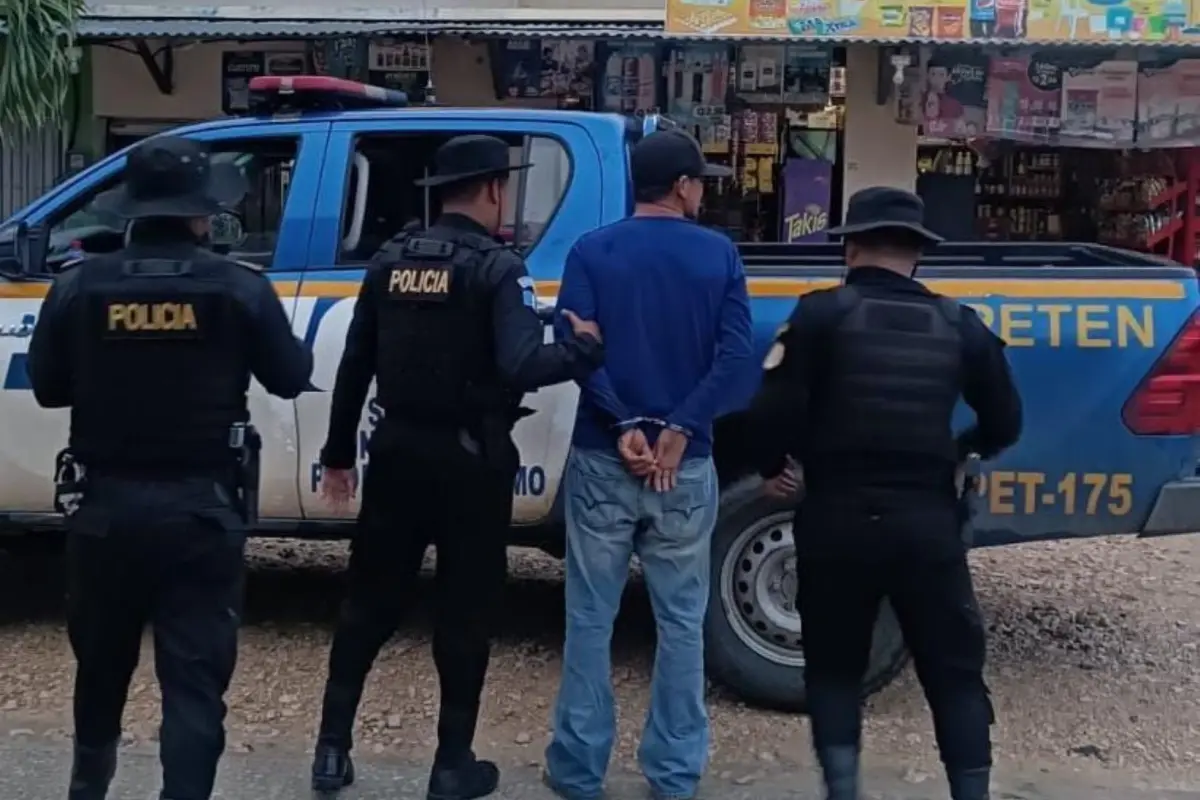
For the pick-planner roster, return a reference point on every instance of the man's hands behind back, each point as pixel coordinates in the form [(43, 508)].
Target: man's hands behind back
[(636, 451), (658, 465)]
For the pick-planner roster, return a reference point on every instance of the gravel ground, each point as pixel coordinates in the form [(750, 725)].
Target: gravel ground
[(1094, 668)]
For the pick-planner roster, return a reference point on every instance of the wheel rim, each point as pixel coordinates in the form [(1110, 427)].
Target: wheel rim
[(758, 590)]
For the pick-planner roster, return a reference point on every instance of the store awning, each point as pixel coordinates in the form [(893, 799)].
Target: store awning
[(234, 29)]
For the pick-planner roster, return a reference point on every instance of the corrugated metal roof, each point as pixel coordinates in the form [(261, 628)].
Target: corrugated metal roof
[(502, 12), (244, 29), (223, 29), (307, 29)]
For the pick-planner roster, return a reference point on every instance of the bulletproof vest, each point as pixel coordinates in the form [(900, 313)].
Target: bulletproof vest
[(161, 376), (435, 362), (891, 377)]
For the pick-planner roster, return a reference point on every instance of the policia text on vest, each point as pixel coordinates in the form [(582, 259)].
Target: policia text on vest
[(176, 316), (430, 282)]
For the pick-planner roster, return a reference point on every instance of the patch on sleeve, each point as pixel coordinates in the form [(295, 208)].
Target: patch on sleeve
[(774, 356), (528, 291)]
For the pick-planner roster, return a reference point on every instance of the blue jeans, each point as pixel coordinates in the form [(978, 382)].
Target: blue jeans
[(610, 516)]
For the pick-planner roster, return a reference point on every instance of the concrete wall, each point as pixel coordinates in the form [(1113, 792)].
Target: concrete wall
[(878, 151), (123, 89)]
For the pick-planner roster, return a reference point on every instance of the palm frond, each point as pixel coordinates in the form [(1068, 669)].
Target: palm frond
[(35, 61)]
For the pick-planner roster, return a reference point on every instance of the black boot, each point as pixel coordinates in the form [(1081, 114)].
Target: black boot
[(92, 771), (332, 767), (840, 768), (457, 774), (466, 780), (970, 784)]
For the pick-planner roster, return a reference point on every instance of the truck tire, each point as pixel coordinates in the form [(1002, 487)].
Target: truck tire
[(752, 634)]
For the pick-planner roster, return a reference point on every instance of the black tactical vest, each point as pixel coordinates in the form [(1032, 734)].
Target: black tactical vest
[(161, 374), (436, 362), (891, 378)]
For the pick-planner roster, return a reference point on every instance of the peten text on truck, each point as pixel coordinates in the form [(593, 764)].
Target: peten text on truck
[(1105, 346)]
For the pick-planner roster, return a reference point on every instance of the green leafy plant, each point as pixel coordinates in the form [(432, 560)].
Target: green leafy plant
[(37, 38)]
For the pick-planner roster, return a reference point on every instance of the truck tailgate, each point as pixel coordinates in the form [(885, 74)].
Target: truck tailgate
[(1107, 358)]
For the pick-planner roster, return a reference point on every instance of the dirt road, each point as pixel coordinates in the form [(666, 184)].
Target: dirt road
[(1094, 666)]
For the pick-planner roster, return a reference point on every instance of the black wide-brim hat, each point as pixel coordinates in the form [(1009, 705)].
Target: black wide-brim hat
[(464, 158), (884, 208), (169, 176)]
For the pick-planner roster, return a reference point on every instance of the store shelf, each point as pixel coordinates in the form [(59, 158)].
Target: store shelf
[(1169, 195), (1150, 242), (1165, 197)]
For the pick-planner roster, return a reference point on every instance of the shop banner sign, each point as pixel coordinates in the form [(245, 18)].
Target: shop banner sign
[(807, 184), (631, 78), (545, 68), (697, 80), (1099, 104), (1168, 100), (953, 102), (237, 68), (1032, 21), (1023, 97)]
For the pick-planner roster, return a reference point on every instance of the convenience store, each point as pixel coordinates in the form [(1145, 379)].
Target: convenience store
[(1016, 119)]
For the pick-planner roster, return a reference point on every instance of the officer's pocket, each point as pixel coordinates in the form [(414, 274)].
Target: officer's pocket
[(223, 520)]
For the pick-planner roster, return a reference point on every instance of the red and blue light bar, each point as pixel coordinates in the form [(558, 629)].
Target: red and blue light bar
[(273, 94)]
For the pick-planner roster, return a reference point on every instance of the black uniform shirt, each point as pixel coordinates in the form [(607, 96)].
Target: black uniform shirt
[(523, 360), (280, 362), (779, 413)]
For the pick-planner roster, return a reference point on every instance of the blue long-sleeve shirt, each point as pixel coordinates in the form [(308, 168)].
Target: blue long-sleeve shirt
[(670, 298)]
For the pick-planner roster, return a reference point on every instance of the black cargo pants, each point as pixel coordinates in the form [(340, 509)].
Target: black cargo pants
[(168, 554), (424, 488), (846, 565)]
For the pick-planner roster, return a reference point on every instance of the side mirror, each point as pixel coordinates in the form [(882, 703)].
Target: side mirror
[(228, 232), (30, 245)]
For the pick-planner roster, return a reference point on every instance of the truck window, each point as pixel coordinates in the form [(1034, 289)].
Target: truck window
[(267, 165), (387, 164)]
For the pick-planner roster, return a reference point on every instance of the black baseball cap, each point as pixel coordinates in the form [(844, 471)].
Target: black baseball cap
[(663, 157)]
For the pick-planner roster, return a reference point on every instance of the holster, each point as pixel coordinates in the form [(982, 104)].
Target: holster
[(968, 498), (70, 482), (498, 414), (246, 443), (495, 431)]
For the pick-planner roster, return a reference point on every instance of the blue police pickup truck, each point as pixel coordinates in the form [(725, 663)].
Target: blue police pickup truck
[(1105, 345)]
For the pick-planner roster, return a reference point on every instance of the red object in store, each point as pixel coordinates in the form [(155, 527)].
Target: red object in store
[(1167, 402), (274, 94), (1187, 241)]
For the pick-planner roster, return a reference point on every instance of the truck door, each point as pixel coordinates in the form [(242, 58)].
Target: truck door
[(367, 196), (282, 163)]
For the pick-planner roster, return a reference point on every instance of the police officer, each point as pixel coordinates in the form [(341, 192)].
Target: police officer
[(859, 391), (152, 349), (446, 324)]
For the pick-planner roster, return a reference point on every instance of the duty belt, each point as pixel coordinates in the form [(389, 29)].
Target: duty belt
[(71, 475)]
